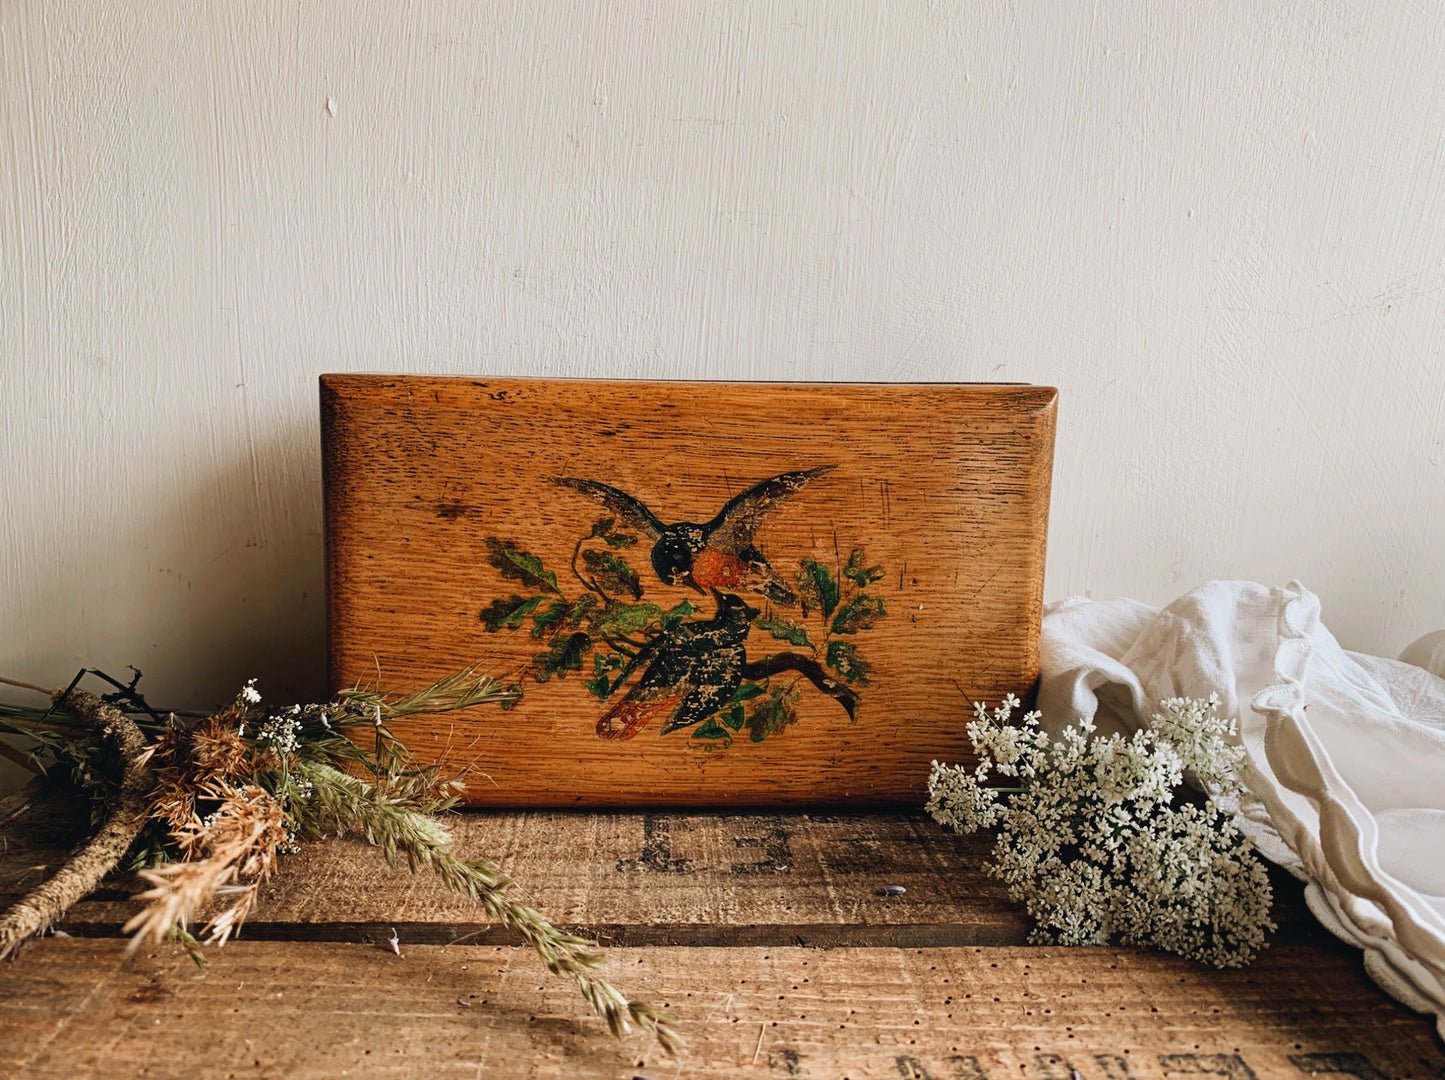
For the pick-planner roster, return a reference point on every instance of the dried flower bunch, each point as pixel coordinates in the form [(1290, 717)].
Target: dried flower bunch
[(1099, 839), (205, 809)]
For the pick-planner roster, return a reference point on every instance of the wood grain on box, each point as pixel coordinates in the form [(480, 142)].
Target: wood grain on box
[(668, 570)]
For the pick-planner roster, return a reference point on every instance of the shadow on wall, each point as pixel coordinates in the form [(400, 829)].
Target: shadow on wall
[(201, 584)]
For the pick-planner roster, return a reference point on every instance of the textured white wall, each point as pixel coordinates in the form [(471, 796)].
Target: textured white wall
[(1217, 227)]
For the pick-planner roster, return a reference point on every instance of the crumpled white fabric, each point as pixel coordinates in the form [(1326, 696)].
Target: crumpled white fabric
[(1345, 753)]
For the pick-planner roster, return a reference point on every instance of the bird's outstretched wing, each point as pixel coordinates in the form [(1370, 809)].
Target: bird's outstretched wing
[(632, 512), (732, 530)]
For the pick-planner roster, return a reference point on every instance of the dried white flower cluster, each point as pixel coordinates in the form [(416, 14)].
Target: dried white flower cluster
[(1098, 839), (281, 732)]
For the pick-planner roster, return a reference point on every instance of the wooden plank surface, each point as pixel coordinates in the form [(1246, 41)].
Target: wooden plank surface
[(638, 878), (963, 1000), (430, 481), (77, 1009)]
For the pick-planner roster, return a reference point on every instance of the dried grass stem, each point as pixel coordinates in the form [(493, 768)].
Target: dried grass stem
[(34, 912), (49, 691)]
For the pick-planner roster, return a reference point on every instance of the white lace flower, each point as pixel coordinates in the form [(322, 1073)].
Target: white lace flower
[(959, 800), (1202, 739), (1096, 841)]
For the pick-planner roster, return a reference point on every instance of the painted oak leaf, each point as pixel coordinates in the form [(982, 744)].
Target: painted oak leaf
[(519, 565), (626, 619), (773, 713), (566, 654), (859, 613), (550, 619), (784, 629), (858, 573), (606, 529), (612, 573), (603, 664), (817, 588), (508, 613), (562, 614), (847, 661)]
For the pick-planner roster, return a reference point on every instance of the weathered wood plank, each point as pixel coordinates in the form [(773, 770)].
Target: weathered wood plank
[(77, 1009), (645, 879), (946, 488)]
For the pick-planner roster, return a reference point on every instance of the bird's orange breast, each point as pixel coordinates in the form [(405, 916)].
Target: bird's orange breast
[(713, 570)]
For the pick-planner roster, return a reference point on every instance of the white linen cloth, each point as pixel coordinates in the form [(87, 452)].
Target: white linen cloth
[(1345, 753)]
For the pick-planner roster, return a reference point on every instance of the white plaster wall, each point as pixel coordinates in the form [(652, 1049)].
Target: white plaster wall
[(1217, 227)]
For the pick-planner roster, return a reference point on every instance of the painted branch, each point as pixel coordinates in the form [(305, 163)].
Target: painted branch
[(808, 668), (84, 870)]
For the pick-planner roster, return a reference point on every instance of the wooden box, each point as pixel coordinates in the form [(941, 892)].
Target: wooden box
[(708, 593)]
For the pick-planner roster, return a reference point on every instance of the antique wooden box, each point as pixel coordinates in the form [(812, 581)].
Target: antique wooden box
[(708, 593)]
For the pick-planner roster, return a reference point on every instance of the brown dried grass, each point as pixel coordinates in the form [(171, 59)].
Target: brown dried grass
[(231, 853)]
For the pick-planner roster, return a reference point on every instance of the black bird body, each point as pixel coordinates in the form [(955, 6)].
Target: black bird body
[(691, 672), (719, 554)]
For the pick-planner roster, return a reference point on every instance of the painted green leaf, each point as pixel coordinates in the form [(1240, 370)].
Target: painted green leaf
[(513, 698), (550, 618), (848, 662), (711, 730), (599, 686), (565, 655), (508, 613), (581, 608), (859, 613), (733, 717), (612, 573), (772, 714), (784, 629), (603, 662), (861, 575), (746, 692), (817, 589), (626, 619), (519, 565), (605, 529), (674, 615), (561, 614)]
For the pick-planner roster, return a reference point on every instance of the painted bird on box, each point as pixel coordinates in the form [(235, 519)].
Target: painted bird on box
[(691, 672), (719, 554)]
